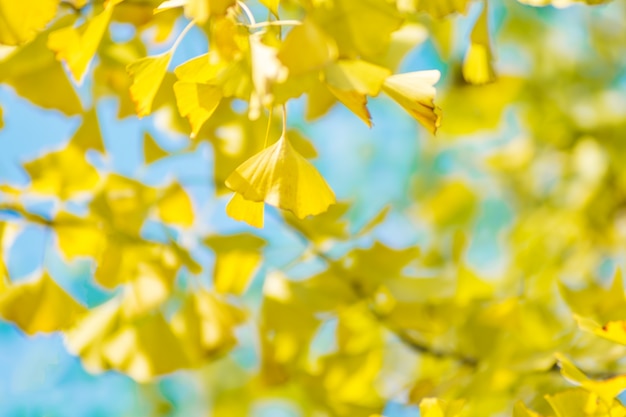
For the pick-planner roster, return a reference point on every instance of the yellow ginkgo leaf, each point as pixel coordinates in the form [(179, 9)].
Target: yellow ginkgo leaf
[(237, 258), (607, 389), (272, 5), (39, 306), (78, 236), (62, 173), (145, 348), (478, 62), (415, 92), (579, 403), (77, 46), (356, 75), (355, 102), (88, 135), (175, 206), (361, 27), (36, 75), (147, 74), (307, 48), (196, 102), (244, 210), (151, 150), (205, 325), (20, 21), (434, 407), (613, 330), (520, 410), (283, 178)]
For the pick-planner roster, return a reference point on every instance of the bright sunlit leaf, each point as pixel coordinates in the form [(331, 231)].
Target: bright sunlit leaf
[(415, 92), (77, 46), (39, 306), (174, 206), (283, 178), (20, 21), (147, 75)]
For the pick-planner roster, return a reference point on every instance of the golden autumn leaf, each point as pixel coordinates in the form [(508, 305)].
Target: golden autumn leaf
[(151, 150), (478, 62), (147, 75), (62, 173), (356, 75), (77, 46), (415, 92), (244, 210), (88, 135), (20, 21), (307, 48), (174, 206), (237, 258), (283, 178), (39, 306), (36, 75), (607, 389), (142, 347), (433, 407), (356, 102), (351, 24), (196, 102), (521, 410)]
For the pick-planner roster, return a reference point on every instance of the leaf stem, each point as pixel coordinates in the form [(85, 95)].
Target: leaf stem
[(181, 36), (275, 23), (269, 124), (284, 110), (246, 10)]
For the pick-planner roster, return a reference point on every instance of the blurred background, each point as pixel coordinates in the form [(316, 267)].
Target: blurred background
[(530, 169)]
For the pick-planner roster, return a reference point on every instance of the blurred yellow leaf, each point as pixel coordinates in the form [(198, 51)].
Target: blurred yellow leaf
[(356, 75), (237, 258), (244, 210), (36, 75), (351, 24), (433, 407), (415, 92), (78, 236), (147, 75), (62, 173), (281, 177), (607, 389), (478, 65), (20, 21), (196, 102), (88, 135), (307, 48), (520, 410), (354, 101), (205, 325), (174, 206), (77, 46), (151, 150), (39, 306)]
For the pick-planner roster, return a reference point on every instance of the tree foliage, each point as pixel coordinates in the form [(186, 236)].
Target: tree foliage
[(341, 320)]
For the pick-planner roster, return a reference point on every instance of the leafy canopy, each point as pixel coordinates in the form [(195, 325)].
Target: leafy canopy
[(421, 326)]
